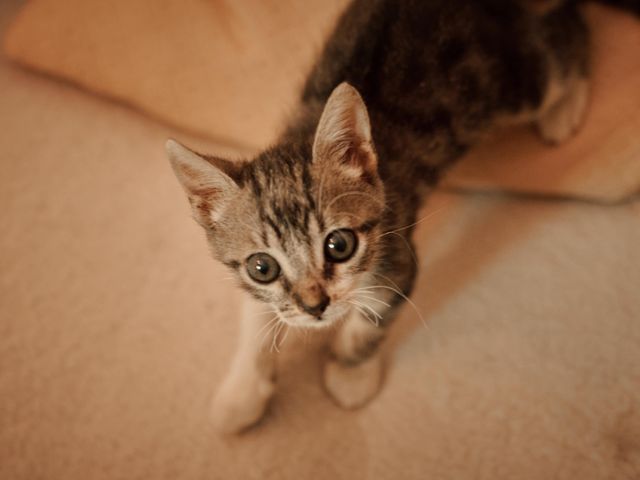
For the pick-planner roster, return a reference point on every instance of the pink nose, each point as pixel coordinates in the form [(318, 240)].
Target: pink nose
[(312, 299), (318, 309)]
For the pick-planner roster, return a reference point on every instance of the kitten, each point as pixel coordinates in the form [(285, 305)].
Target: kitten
[(318, 226)]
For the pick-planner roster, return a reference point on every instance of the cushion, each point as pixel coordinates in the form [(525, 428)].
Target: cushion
[(231, 70)]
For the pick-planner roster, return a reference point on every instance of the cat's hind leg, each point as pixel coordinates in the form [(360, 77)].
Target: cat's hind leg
[(562, 118)]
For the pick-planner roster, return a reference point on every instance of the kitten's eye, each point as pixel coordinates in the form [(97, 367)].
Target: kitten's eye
[(263, 268), (340, 245)]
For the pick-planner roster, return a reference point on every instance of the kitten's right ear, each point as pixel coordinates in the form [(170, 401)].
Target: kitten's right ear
[(207, 186), (344, 133)]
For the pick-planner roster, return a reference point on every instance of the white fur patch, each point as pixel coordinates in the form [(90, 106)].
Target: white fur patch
[(244, 394), (352, 333), (353, 386), (241, 401)]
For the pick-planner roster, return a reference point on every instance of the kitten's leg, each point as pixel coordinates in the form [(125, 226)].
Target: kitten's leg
[(562, 119), (354, 375), (243, 396)]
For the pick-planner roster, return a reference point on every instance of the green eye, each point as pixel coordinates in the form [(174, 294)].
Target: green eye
[(263, 268), (340, 245)]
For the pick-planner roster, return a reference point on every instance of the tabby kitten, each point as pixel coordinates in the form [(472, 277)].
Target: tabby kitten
[(317, 226)]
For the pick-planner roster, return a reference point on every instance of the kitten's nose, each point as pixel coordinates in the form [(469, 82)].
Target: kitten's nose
[(317, 309), (311, 298)]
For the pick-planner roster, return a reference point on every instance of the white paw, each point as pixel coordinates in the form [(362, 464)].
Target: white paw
[(353, 386), (563, 119), (240, 402)]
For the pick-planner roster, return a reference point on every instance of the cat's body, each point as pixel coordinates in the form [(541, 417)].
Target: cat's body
[(436, 74), (319, 225)]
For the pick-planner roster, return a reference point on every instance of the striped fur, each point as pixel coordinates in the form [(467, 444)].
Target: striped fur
[(436, 76)]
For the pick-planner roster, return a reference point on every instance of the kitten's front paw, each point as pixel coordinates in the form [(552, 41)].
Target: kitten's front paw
[(352, 386), (240, 402)]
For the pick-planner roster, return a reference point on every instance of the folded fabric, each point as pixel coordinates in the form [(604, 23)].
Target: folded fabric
[(231, 70)]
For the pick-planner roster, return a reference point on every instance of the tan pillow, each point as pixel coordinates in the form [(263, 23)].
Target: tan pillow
[(222, 68), (231, 69)]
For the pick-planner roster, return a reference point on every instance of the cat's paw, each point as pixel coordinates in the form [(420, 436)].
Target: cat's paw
[(240, 402), (564, 118), (352, 386)]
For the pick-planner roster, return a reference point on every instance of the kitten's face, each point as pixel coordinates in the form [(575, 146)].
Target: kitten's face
[(300, 224), (301, 239)]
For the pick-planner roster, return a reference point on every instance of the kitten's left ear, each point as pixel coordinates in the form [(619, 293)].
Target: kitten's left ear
[(207, 182), (344, 133)]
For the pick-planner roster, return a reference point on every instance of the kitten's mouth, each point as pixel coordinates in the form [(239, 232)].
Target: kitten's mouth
[(329, 318)]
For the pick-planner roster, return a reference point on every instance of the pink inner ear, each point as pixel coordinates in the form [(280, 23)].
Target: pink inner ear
[(360, 162), (202, 208), (361, 156), (354, 157), (206, 193)]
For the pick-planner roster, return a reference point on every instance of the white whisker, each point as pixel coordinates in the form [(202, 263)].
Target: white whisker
[(393, 284), (342, 195), (286, 333), (426, 217), (375, 300), (377, 316), (364, 305), (274, 342), (270, 330), (269, 322), (399, 293), (363, 313)]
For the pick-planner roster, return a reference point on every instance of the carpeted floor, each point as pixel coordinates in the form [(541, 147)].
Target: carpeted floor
[(115, 327)]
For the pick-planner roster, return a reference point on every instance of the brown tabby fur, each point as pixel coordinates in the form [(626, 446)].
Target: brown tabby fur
[(436, 76)]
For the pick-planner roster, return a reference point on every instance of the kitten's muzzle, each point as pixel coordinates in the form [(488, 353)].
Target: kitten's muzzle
[(312, 298), (318, 309)]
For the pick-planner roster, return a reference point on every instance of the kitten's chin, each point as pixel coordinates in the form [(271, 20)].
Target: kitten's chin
[(314, 325), (329, 319)]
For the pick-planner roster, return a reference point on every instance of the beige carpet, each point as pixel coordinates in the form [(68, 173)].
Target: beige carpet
[(115, 327)]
